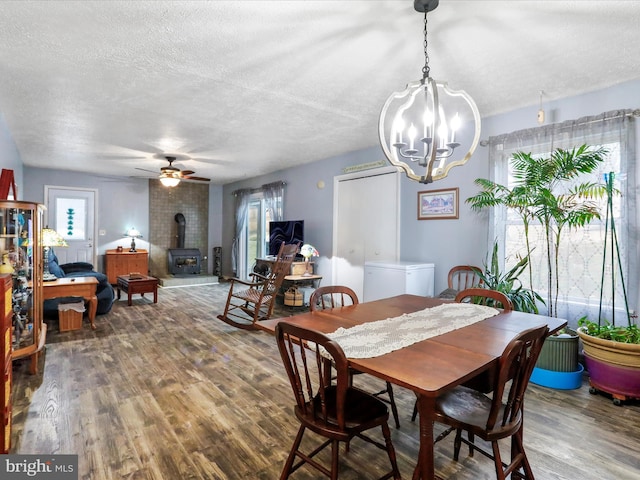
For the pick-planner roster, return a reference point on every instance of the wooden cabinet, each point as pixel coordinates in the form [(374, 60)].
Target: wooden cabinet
[(123, 263), (6, 318), (22, 258)]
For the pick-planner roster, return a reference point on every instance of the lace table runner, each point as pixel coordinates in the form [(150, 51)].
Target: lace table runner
[(377, 338)]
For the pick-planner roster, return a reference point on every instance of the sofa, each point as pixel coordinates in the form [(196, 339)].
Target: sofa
[(104, 290)]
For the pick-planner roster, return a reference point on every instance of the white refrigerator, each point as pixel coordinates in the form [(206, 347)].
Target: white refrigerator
[(388, 279)]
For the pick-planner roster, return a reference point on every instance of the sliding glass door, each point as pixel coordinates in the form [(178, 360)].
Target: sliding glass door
[(256, 232)]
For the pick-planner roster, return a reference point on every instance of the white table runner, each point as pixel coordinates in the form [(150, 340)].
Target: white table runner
[(383, 336)]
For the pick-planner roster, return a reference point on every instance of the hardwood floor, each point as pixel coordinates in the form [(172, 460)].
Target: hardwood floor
[(167, 391)]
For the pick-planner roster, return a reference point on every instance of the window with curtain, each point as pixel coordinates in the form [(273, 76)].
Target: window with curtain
[(581, 251), (255, 208)]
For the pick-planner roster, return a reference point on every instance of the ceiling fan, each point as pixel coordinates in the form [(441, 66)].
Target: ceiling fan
[(171, 176)]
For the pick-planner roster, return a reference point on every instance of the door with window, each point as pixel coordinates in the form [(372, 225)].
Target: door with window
[(71, 212)]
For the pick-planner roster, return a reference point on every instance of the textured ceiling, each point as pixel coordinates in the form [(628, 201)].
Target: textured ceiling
[(241, 88)]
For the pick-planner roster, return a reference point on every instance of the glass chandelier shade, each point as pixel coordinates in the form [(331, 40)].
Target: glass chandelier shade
[(169, 180), (428, 128)]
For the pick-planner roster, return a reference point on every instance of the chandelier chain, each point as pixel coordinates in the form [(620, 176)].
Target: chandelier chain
[(426, 68)]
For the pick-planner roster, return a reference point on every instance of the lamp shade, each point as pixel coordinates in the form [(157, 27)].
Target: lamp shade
[(51, 238), (308, 251), (133, 233)]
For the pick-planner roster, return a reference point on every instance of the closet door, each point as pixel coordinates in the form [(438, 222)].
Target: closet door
[(366, 224)]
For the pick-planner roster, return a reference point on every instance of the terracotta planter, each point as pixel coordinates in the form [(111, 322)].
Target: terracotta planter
[(616, 353), (614, 367)]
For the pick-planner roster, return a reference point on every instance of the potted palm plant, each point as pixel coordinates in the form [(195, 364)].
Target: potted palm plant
[(612, 352), (542, 194), (523, 299)]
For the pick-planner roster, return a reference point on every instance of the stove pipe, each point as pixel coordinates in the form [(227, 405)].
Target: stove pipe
[(181, 225)]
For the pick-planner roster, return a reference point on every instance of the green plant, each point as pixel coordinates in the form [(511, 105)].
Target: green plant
[(603, 328), (608, 331), (523, 299), (540, 193)]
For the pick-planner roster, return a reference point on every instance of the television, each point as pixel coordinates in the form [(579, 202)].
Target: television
[(289, 231)]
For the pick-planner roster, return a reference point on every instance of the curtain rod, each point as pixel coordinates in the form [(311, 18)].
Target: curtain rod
[(621, 113)]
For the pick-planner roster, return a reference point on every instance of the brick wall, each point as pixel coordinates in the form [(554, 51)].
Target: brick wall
[(190, 199)]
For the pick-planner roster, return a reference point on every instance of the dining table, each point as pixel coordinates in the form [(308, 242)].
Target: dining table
[(428, 367)]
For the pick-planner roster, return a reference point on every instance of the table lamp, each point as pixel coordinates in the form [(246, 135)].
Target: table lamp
[(133, 234), (308, 251), (50, 238)]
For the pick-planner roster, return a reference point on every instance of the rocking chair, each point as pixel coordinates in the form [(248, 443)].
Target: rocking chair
[(251, 301)]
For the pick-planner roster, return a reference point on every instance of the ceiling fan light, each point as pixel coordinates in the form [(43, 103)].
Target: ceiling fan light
[(169, 181)]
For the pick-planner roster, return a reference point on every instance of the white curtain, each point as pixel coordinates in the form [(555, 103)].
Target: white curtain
[(273, 194), (241, 210), (582, 250)]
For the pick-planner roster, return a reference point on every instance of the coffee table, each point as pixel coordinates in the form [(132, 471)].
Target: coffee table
[(142, 284)]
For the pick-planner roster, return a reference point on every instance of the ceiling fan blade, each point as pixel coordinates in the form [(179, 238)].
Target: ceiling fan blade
[(186, 172), (199, 179), (145, 170)]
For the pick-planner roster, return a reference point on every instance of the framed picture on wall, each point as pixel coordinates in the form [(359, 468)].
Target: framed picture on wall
[(438, 204)]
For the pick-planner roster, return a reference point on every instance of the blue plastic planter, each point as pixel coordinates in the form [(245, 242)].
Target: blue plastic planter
[(557, 380)]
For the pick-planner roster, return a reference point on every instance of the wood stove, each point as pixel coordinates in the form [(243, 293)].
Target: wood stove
[(184, 261)]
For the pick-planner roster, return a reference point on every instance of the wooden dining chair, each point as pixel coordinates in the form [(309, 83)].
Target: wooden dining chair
[(495, 418), (251, 301), (484, 296), (333, 296), (482, 382), (460, 278), (336, 411)]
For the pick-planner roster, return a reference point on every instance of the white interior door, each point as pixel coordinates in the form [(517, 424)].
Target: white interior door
[(366, 224), (71, 212)]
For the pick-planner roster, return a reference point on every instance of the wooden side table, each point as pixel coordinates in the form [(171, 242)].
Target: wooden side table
[(306, 283), (84, 287), (141, 285)]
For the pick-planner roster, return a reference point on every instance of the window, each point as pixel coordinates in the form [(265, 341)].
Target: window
[(581, 251)]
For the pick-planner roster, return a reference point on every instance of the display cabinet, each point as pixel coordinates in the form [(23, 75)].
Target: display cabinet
[(22, 257), (6, 318)]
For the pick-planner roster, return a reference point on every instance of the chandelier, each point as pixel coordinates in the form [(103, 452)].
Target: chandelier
[(428, 125)]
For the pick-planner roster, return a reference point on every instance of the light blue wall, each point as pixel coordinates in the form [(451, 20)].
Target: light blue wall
[(303, 200), (10, 157), (123, 202), (443, 242)]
